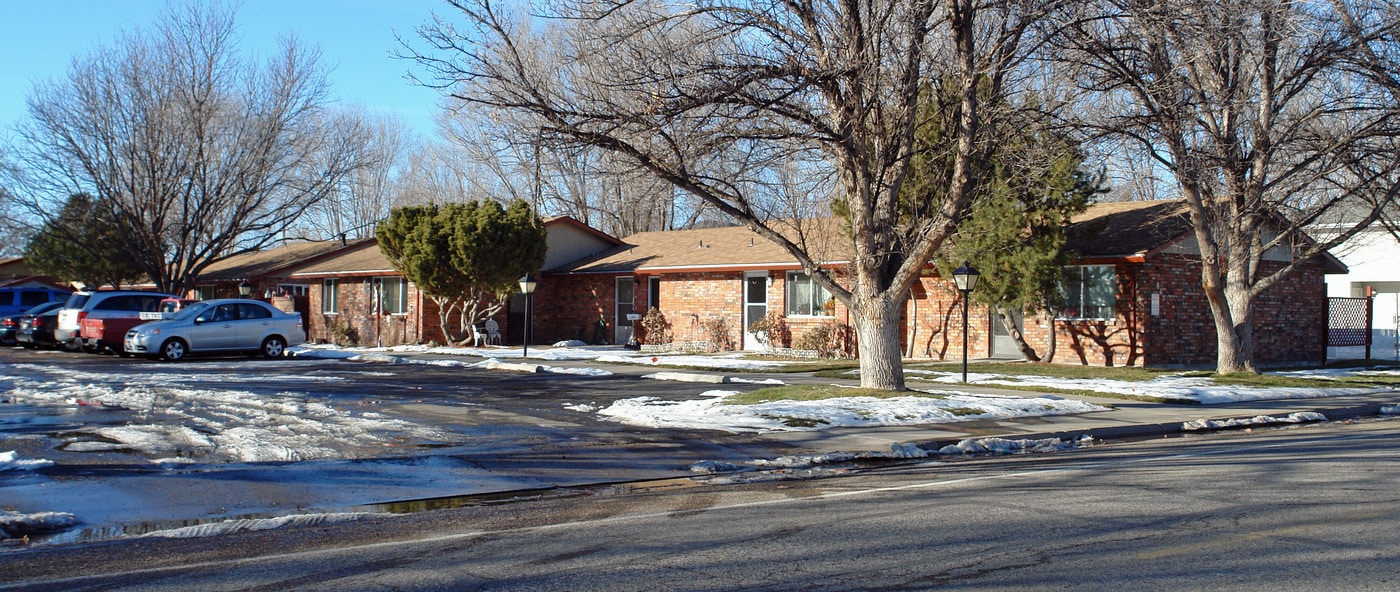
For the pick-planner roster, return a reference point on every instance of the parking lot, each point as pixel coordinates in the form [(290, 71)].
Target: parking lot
[(140, 445)]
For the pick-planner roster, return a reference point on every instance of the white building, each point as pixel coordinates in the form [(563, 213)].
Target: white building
[(1373, 257)]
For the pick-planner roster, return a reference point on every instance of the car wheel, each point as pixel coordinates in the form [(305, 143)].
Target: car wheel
[(173, 350), (72, 346), (273, 347)]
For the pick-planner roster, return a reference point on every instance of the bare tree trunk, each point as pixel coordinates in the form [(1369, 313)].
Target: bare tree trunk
[(878, 340), (1009, 323)]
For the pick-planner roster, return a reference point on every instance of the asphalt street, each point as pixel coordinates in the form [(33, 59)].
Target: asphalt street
[(1305, 508)]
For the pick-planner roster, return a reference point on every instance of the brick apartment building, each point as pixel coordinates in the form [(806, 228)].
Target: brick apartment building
[(1136, 298)]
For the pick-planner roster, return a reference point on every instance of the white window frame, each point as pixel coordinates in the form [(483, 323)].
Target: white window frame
[(401, 297), (330, 296), (205, 292), (1077, 289), (817, 296)]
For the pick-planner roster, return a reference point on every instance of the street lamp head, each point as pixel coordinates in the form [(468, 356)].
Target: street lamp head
[(527, 284), (244, 288), (965, 278)]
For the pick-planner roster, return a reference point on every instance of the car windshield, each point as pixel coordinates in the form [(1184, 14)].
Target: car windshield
[(190, 311)]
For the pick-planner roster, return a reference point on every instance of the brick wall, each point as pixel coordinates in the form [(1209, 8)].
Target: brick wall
[(1289, 321), (356, 307)]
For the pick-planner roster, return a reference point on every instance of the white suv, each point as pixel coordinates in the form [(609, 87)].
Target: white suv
[(102, 304)]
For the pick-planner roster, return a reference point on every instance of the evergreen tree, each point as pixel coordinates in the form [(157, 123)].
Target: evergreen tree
[(84, 243), (465, 257)]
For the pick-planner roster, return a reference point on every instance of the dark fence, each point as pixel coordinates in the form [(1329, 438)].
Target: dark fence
[(1349, 323)]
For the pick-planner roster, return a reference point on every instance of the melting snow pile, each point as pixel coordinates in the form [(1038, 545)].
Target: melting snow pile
[(14, 525), (224, 425), (247, 525), (711, 411), (11, 461), (1212, 424)]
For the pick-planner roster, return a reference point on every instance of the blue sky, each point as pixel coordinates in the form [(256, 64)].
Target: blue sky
[(38, 38)]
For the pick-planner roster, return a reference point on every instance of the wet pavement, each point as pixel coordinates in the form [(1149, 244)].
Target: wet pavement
[(491, 432)]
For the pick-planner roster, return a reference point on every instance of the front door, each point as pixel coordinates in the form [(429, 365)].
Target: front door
[(1003, 345), (626, 290), (755, 304)]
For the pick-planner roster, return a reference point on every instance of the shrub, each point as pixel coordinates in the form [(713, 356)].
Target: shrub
[(718, 331), (341, 332), (656, 330), (830, 340), (772, 331)]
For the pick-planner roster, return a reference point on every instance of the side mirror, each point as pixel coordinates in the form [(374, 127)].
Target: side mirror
[(201, 319)]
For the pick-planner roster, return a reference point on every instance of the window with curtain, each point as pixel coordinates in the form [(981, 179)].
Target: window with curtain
[(393, 295), (1091, 292), (807, 298), (330, 297)]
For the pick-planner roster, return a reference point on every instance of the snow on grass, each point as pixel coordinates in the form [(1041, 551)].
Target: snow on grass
[(226, 425), (1213, 424), (15, 525), (11, 461), (1200, 389), (248, 525), (711, 411), (604, 354)]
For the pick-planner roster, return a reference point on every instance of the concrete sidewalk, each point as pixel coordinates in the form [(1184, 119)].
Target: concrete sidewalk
[(1126, 418)]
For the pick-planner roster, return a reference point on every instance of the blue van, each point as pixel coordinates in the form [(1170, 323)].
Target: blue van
[(17, 300)]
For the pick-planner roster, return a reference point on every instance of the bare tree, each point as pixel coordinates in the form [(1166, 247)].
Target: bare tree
[(1270, 116), (584, 182), (708, 96), (202, 152), (14, 232), (364, 197)]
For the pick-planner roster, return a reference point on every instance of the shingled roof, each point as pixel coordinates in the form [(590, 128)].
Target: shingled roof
[(727, 248), (1128, 229), (363, 258), (269, 262)]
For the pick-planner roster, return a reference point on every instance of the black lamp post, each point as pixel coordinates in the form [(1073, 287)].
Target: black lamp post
[(244, 289), (527, 287), (965, 278)]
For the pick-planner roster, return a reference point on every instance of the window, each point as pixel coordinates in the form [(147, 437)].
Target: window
[(1090, 292), (204, 293), (806, 298), (330, 297), (393, 295), (653, 292), (291, 289), (253, 311), (30, 298)]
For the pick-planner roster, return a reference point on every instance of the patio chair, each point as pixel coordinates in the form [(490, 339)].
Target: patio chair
[(493, 331), (479, 336)]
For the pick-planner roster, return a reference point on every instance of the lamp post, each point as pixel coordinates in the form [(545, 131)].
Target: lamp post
[(527, 287), (965, 278), (244, 289)]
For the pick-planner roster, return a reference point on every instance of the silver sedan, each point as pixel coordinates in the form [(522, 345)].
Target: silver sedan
[(224, 325)]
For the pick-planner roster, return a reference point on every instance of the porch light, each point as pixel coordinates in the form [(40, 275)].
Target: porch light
[(965, 278), (244, 289)]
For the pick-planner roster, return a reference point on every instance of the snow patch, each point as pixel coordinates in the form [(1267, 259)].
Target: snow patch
[(14, 525), (1212, 424), (247, 525), (11, 461), (711, 411)]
